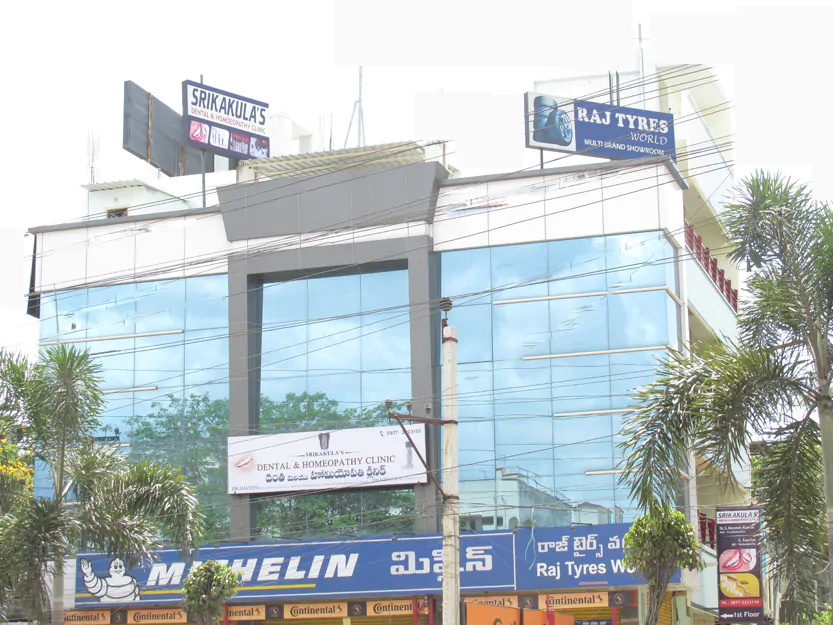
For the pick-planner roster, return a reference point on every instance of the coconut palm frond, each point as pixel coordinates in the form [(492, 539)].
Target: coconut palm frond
[(63, 398), (126, 508), (789, 487), (655, 446), (743, 391), (39, 533)]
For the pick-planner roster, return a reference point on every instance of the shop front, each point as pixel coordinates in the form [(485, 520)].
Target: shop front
[(565, 576)]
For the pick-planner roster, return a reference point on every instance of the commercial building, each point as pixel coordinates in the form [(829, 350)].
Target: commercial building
[(306, 295)]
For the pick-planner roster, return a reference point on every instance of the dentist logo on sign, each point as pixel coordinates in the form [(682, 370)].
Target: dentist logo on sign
[(115, 588)]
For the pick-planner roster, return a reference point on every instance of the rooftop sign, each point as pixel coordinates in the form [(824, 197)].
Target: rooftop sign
[(224, 123), (596, 129)]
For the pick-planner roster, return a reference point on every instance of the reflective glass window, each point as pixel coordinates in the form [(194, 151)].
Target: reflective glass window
[(520, 329), (579, 324), (639, 260), (206, 300), (519, 271), (475, 383), (474, 332), (522, 387), (383, 290), (576, 266), (629, 372), (160, 306), (334, 296), (477, 446), (466, 272), (580, 383), (117, 360), (643, 319), (385, 340), (111, 310)]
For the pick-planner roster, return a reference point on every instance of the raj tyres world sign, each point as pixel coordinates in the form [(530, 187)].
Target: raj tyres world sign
[(595, 129)]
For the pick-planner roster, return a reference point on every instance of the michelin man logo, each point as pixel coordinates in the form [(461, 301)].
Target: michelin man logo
[(117, 588)]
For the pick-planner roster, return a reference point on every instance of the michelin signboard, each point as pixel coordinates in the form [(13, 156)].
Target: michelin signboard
[(596, 129), (498, 562)]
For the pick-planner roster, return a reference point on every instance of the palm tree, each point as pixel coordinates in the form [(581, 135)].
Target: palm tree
[(100, 501), (773, 383)]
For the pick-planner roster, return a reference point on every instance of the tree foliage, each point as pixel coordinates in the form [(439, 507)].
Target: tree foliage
[(657, 544), (192, 433), (207, 587), (769, 384), (100, 501)]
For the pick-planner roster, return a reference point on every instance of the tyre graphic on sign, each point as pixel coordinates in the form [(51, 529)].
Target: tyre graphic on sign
[(551, 124)]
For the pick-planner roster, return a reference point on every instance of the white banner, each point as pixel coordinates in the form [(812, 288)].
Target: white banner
[(377, 456)]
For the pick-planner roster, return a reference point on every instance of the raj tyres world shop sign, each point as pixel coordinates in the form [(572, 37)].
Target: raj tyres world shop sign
[(223, 122), (739, 595), (595, 129), (303, 461)]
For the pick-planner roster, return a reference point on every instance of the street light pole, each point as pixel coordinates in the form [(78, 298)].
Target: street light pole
[(451, 491)]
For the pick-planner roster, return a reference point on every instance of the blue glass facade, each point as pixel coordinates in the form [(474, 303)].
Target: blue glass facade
[(554, 337), (334, 348), (163, 349)]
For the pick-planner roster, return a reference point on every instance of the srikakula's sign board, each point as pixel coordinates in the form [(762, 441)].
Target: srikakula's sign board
[(499, 562), (224, 123), (596, 129), (740, 588), (303, 461)]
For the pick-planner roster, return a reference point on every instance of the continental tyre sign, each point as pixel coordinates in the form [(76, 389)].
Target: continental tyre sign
[(596, 129)]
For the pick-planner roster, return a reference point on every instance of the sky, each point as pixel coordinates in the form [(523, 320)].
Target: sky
[(65, 65)]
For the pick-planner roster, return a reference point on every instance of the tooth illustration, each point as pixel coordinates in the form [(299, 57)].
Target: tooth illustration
[(733, 562)]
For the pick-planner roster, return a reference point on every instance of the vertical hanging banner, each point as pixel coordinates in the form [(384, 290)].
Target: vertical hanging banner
[(740, 597)]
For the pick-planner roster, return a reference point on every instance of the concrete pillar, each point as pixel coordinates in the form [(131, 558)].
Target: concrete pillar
[(245, 316)]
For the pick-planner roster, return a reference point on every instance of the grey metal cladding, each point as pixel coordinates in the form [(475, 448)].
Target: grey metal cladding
[(332, 201)]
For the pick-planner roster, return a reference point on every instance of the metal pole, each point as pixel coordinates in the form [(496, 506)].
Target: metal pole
[(202, 167), (641, 66), (451, 498), (361, 111)]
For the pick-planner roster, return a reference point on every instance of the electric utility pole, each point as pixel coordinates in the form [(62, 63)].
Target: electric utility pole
[(451, 495), (450, 486)]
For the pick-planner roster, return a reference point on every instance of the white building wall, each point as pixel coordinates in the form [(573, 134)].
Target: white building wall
[(548, 208), (166, 248)]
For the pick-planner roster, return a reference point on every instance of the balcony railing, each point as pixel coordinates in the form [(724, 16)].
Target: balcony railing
[(694, 242), (707, 530)]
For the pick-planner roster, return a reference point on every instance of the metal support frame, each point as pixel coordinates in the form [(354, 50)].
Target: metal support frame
[(399, 417)]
